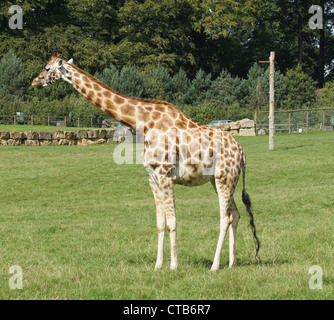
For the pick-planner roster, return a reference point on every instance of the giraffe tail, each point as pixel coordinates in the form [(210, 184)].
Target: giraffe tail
[(247, 202)]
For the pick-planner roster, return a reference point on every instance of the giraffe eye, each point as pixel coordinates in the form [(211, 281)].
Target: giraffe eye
[(47, 69)]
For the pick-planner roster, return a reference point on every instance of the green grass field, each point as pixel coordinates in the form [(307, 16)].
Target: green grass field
[(82, 227)]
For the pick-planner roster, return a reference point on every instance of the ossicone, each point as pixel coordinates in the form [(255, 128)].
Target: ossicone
[(56, 53)]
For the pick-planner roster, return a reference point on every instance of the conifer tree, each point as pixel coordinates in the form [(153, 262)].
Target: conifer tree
[(11, 75), (179, 86), (197, 91), (301, 89), (158, 83), (129, 82)]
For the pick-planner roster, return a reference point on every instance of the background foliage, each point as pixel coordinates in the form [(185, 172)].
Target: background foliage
[(200, 55)]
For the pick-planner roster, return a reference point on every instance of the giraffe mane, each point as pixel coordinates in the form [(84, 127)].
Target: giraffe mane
[(88, 75)]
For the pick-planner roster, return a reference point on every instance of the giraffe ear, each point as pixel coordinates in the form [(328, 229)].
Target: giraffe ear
[(70, 61)]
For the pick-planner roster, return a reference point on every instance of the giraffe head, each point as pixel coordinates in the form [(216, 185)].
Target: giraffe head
[(54, 70)]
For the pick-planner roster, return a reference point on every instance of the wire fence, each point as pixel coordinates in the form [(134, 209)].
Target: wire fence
[(57, 121), (291, 121)]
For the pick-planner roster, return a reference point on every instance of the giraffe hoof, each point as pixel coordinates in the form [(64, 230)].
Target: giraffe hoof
[(214, 268), (173, 266), (232, 265), (158, 267)]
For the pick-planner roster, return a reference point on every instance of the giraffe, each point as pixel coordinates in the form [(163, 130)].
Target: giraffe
[(177, 150)]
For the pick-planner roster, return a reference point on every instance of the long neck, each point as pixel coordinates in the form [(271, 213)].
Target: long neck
[(121, 108)]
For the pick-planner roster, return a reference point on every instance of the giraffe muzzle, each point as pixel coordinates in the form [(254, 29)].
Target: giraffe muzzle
[(37, 83)]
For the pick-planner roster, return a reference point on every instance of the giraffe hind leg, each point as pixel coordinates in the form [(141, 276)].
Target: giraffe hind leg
[(225, 195), (235, 216)]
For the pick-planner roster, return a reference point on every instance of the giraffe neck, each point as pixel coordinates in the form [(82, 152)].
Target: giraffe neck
[(119, 107), (138, 114)]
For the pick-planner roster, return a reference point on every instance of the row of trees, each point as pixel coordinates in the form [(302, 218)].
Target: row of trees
[(211, 35), (198, 54), (202, 97)]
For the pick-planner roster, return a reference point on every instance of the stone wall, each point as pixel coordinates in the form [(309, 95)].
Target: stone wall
[(245, 127), (85, 137), (57, 137)]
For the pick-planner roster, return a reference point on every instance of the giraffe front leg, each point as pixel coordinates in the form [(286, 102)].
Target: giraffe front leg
[(160, 255), (161, 224), (171, 227), (163, 191)]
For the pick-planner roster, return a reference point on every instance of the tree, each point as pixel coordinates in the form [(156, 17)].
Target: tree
[(301, 89), (11, 75), (155, 32), (107, 75), (226, 89), (179, 86), (327, 96), (129, 82), (197, 91), (157, 83)]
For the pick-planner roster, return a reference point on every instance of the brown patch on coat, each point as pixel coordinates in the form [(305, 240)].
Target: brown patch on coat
[(156, 115), (118, 100), (128, 110), (107, 94)]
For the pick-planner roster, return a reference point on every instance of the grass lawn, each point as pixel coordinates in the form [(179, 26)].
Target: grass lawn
[(82, 227)]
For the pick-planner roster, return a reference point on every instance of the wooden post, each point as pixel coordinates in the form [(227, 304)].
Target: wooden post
[(271, 99), (272, 102), (289, 122)]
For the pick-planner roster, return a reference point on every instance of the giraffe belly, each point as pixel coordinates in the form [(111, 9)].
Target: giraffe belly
[(192, 175)]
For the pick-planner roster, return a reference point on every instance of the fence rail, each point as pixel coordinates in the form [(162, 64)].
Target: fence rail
[(57, 121), (290, 121)]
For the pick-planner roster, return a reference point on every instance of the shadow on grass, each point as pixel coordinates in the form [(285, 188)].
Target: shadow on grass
[(240, 263)]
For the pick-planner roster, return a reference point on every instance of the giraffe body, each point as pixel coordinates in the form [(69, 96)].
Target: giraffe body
[(177, 151)]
